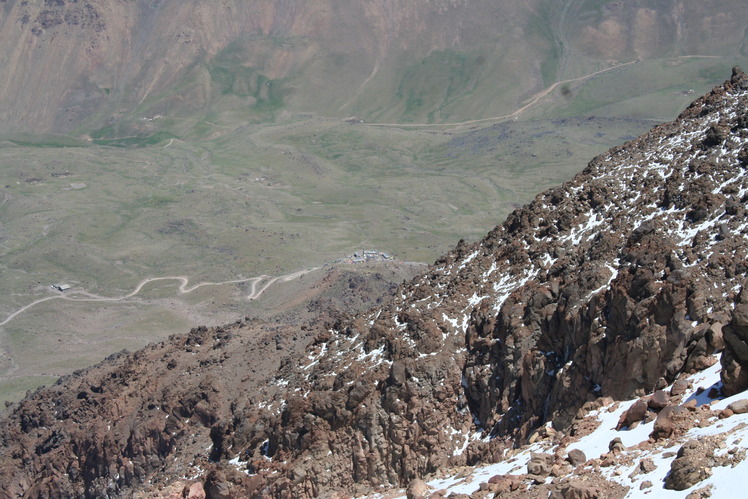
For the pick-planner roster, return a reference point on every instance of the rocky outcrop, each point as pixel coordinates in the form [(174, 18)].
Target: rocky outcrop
[(735, 357), (694, 463), (111, 429), (611, 285), (603, 287)]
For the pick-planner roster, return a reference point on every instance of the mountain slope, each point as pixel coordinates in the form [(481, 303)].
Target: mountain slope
[(611, 285), (598, 288), (113, 66)]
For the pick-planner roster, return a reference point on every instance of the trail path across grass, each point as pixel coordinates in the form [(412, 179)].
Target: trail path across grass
[(529, 102), (84, 296)]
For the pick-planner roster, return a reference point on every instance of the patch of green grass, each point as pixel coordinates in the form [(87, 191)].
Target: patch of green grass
[(233, 76), (658, 89), (543, 26), (45, 141), (144, 141), (430, 85), (250, 200), (14, 389)]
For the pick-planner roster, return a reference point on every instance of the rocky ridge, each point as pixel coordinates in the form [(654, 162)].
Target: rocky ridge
[(703, 454), (611, 285)]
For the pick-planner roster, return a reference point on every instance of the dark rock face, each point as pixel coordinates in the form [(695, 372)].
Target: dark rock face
[(735, 357), (611, 285), (111, 428)]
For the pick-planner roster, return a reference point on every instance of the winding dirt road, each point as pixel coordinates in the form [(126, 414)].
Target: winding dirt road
[(84, 296), (532, 100)]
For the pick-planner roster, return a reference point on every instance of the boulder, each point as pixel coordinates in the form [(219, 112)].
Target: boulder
[(690, 467), (665, 424), (582, 491), (658, 400), (647, 465), (634, 414), (576, 457), (739, 406), (616, 445), (194, 491), (679, 387), (540, 464), (417, 489)]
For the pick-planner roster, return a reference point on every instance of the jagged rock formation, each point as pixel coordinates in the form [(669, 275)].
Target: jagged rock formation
[(103, 430), (608, 286)]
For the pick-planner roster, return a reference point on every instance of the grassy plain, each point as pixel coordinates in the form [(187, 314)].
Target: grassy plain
[(219, 198)]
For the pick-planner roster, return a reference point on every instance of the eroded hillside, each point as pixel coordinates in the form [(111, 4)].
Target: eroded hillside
[(112, 67), (611, 285)]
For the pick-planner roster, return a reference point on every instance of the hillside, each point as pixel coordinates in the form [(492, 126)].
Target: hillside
[(131, 70), (611, 286), (181, 143)]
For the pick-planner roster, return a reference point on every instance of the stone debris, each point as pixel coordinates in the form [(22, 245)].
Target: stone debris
[(622, 281)]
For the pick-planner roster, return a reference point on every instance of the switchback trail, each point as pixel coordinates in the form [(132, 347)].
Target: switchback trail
[(84, 296)]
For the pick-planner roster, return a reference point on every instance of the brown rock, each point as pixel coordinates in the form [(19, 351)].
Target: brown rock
[(417, 489), (576, 457), (536, 479), (194, 491), (679, 387), (739, 406), (663, 428), (702, 493), (217, 490), (616, 445), (690, 467), (740, 317), (734, 373), (646, 484), (690, 405), (559, 470), (502, 483), (581, 491), (647, 465), (735, 356), (634, 414), (540, 464), (725, 413), (658, 400), (715, 338)]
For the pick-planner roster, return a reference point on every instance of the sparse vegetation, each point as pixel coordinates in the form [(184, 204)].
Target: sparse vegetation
[(225, 165)]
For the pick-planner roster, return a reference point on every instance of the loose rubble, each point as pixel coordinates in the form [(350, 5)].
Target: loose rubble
[(588, 310)]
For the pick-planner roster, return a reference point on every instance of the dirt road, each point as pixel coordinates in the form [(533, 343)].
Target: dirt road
[(85, 296)]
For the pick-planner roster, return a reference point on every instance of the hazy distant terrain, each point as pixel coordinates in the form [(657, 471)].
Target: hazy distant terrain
[(109, 67), (210, 140)]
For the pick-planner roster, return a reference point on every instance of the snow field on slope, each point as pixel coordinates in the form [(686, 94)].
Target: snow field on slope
[(725, 481)]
